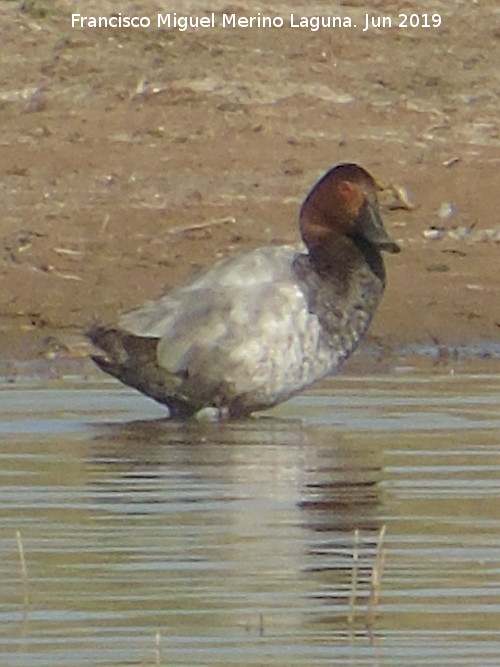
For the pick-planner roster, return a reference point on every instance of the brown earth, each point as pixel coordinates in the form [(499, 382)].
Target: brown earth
[(130, 158)]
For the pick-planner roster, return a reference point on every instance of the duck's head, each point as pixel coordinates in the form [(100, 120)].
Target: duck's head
[(344, 203)]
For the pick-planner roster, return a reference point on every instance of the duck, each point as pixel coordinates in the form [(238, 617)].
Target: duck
[(260, 327)]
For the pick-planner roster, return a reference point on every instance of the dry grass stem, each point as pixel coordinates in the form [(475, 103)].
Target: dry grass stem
[(354, 579), (104, 225), (158, 648), (24, 570), (377, 571), (231, 220)]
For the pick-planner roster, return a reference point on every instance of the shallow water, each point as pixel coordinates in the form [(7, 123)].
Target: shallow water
[(150, 543)]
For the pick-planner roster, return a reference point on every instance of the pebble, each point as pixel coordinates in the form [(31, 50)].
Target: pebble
[(462, 233), (433, 233), (446, 211)]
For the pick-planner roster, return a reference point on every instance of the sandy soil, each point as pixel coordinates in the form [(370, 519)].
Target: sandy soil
[(131, 158)]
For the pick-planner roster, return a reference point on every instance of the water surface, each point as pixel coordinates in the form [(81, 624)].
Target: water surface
[(252, 543)]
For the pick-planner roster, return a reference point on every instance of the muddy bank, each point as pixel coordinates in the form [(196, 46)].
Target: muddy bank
[(132, 158)]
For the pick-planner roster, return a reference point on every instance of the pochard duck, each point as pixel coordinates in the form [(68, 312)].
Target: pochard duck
[(255, 329)]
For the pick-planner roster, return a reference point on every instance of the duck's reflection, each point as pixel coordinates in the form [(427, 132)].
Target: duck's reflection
[(275, 503), (332, 478)]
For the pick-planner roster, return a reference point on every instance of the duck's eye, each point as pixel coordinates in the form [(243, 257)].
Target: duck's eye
[(347, 189), (351, 194)]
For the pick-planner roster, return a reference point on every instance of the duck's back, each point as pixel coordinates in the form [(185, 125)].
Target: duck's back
[(226, 283)]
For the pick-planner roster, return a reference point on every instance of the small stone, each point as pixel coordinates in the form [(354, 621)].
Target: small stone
[(446, 211), (433, 233)]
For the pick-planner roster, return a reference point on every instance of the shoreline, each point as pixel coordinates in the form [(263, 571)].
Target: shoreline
[(437, 362)]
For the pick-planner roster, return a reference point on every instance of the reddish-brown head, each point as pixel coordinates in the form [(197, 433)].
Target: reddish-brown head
[(344, 203)]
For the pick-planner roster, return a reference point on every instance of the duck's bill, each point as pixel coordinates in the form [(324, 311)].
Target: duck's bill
[(369, 225), (390, 246)]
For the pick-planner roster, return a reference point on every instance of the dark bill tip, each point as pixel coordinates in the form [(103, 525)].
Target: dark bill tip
[(390, 246)]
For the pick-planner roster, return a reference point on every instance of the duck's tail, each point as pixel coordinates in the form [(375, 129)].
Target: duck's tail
[(132, 359), (122, 350)]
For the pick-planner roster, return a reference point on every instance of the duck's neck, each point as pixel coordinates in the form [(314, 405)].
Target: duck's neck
[(339, 257), (343, 289)]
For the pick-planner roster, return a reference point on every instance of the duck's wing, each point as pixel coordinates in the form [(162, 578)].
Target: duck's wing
[(227, 330), (210, 292)]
